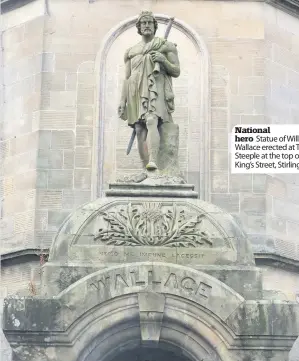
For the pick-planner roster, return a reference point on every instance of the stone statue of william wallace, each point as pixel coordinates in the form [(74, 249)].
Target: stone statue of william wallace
[(147, 99)]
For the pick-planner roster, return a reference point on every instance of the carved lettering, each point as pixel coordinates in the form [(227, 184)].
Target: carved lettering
[(151, 280), (94, 285), (204, 290), (136, 282), (129, 254), (172, 281), (108, 253), (119, 280), (191, 255), (104, 283), (145, 254), (188, 284)]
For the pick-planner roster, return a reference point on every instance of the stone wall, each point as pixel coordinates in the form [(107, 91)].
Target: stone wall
[(279, 284), (50, 129), (23, 63), (22, 278), (51, 137), (281, 107)]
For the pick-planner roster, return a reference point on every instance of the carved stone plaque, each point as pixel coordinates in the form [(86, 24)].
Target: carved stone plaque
[(152, 223)]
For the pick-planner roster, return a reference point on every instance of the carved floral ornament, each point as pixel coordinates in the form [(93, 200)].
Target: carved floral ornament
[(152, 224)]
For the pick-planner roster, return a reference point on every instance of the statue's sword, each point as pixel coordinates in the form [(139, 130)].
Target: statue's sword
[(157, 69)]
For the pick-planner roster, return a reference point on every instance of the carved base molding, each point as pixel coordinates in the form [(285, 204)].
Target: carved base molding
[(151, 190)]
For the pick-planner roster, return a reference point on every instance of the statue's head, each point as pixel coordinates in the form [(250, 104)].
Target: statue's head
[(146, 23)]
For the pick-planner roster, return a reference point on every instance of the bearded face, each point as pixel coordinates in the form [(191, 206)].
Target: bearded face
[(147, 26)]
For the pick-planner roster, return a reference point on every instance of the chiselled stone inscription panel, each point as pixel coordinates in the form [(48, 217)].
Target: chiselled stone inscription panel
[(153, 277), (126, 254), (188, 99), (171, 280)]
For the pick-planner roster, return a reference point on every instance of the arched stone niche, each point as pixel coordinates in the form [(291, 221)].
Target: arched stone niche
[(192, 99)]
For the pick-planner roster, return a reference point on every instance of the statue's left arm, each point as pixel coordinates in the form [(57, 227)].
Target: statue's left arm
[(169, 60), (172, 63)]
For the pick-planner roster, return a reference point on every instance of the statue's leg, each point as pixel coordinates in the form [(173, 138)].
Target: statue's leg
[(153, 140), (141, 133)]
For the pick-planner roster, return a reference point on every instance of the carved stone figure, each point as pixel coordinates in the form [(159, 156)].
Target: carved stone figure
[(147, 99)]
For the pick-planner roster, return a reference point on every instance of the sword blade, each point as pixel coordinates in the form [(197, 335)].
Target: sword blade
[(131, 142)]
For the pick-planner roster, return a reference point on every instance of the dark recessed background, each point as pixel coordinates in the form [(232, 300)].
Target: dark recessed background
[(8, 5)]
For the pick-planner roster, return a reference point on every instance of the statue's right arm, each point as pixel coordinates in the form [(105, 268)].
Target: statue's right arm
[(127, 76)]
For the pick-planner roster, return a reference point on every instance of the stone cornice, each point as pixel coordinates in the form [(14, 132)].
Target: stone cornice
[(289, 6), (277, 261), (23, 254)]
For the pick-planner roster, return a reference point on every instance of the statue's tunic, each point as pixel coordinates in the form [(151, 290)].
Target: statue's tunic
[(148, 91)]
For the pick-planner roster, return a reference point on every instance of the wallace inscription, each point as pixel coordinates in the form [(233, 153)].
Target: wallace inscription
[(154, 277), (173, 281)]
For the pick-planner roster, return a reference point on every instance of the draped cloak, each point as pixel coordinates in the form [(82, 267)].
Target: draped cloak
[(148, 91)]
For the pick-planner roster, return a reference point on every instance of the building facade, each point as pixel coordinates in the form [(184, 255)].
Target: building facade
[(62, 144)]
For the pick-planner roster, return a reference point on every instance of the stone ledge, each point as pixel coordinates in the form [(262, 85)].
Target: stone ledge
[(145, 190), (23, 252), (273, 324), (276, 260)]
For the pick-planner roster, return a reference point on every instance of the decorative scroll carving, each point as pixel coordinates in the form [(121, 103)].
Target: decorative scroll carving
[(151, 224)]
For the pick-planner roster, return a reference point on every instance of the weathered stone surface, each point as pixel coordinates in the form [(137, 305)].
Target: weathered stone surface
[(159, 277), (28, 55), (56, 278), (265, 318), (189, 224), (144, 287), (254, 78), (294, 353), (151, 307), (169, 149), (30, 314)]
